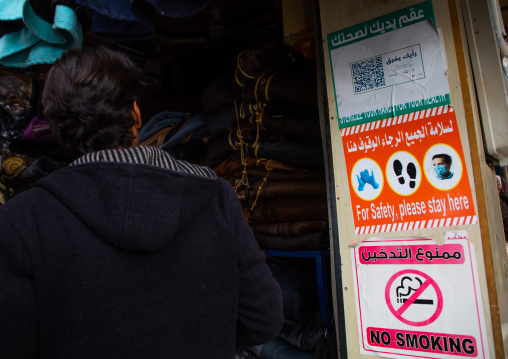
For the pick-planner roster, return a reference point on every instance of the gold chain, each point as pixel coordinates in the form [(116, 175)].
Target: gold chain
[(243, 158), (262, 183)]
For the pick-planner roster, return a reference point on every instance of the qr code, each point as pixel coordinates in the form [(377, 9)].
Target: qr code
[(368, 74)]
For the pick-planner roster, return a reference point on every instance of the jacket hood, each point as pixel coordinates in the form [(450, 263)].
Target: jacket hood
[(136, 199)]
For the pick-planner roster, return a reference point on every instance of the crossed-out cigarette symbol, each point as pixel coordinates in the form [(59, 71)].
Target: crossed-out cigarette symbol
[(408, 286)]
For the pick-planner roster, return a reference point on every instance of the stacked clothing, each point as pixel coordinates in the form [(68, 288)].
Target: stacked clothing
[(259, 131), (267, 145), (28, 150)]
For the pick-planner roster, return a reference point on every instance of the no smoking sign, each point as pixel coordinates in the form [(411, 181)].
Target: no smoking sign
[(416, 298), (413, 297)]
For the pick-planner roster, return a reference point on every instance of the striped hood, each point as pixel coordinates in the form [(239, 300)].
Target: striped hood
[(136, 198)]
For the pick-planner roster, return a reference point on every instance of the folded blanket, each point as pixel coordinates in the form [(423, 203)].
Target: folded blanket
[(256, 166), (285, 189), (293, 209)]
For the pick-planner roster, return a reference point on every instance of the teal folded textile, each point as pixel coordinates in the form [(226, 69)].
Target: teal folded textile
[(17, 42), (39, 42)]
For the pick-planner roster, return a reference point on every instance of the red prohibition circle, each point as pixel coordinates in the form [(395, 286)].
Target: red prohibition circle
[(431, 282)]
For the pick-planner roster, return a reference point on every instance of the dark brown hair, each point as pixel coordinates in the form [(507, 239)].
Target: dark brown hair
[(447, 158), (88, 97)]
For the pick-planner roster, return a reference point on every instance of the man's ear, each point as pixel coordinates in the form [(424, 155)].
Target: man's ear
[(136, 113)]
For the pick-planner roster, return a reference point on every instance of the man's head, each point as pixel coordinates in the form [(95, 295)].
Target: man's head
[(442, 163), (89, 99)]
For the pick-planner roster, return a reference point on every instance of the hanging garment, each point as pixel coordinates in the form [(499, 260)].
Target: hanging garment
[(134, 19), (39, 41)]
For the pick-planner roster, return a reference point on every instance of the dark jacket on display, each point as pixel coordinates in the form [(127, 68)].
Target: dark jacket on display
[(132, 254)]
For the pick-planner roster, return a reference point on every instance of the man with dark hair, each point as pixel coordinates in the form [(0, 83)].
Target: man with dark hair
[(90, 99), (442, 163), (127, 252)]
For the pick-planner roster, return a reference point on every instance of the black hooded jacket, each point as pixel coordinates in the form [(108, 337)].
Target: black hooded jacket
[(132, 254)]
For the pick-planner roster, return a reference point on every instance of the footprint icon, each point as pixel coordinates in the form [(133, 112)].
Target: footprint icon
[(397, 167), (411, 171)]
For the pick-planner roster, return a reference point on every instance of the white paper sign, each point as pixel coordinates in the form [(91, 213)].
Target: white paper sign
[(393, 73), (415, 298)]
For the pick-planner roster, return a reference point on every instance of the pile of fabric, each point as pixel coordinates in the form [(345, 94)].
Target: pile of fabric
[(259, 131), (28, 150), (34, 32), (265, 139)]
